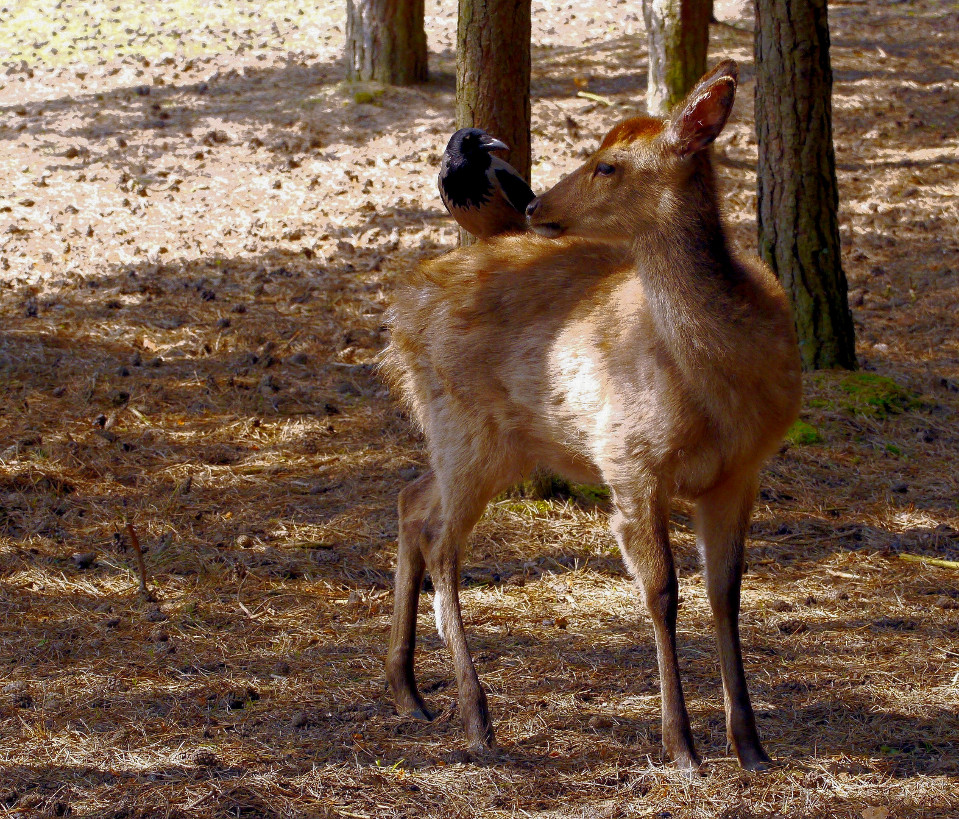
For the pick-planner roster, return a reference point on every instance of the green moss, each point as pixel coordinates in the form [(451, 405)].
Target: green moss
[(591, 494), (544, 486), (803, 434), (875, 396), (363, 93)]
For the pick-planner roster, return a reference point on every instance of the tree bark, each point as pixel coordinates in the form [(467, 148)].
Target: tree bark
[(678, 33), (492, 73), (798, 196), (386, 41)]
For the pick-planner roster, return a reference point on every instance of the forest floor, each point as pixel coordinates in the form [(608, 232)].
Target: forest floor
[(201, 225)]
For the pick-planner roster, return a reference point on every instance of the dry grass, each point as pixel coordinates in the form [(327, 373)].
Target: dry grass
[(196, 248)]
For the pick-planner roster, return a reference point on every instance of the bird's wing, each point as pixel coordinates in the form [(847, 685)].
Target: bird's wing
[(442, 186), (514, 187), (441, 180)]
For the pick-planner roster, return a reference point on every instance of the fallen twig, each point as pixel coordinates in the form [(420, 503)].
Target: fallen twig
[(141, 565), (586, 95), (932, 561)]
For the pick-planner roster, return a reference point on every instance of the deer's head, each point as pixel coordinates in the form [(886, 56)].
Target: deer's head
[(635, 180)]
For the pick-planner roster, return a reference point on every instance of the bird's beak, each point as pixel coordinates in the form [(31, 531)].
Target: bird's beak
[(493, 144)]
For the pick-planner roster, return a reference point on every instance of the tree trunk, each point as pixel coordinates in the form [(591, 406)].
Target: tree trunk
[(386, 41), (492, 73), (492, 93), (798, 197), (678, 32)]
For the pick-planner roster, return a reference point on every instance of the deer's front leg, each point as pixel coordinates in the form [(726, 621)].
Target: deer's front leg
[(641, 528)]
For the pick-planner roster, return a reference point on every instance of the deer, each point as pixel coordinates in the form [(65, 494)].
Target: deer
[(621, 341)]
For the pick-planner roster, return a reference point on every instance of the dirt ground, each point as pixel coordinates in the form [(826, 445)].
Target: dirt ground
[(200, 227)]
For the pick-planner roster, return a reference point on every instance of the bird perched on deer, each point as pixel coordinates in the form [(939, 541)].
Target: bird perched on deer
[(483, 193)]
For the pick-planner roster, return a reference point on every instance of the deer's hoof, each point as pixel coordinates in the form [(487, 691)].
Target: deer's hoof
[(482, 751), (421, 714), (756, 762), (688, 764), (482, 740)]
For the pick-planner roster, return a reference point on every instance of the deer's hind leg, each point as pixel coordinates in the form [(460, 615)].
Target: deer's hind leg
[(722, 518), (418, 504), (437, 513), (465, 495)]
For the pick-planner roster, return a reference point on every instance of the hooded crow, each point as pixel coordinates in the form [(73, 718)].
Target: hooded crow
[(483, 193)]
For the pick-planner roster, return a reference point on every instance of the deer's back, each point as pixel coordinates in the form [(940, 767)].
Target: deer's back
[(553, 348), (476, 325)]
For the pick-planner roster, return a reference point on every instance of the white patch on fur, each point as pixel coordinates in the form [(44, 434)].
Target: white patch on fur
[(438, 614), (584, 415)]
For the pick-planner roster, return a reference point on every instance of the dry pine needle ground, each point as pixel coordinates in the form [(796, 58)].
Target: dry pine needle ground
[(200, 228)]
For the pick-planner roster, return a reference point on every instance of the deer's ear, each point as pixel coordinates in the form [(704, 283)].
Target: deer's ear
[(725, 68), (703, 114)]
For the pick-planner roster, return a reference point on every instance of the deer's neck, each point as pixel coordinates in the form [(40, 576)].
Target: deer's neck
[(692, 285)]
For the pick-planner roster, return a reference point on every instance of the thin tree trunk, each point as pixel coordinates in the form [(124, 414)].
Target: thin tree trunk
[(492, 93), (798, 197), (678, 32), (492, 73), (386, 41)]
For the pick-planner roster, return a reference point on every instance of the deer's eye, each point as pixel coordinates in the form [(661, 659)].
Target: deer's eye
[(604, 169)]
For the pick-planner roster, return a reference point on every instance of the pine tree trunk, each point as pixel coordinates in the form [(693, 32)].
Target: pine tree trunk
[(386, 41), (678, 32), (492, 73), (798, 197), (492, 93)]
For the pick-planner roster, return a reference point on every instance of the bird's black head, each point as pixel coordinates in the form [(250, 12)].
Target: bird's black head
[(472, 143)]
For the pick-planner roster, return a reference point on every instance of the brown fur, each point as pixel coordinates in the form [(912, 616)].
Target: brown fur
[(631, 130), (633, 349)]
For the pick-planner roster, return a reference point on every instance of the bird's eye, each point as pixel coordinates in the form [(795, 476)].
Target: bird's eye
[(604, 169)]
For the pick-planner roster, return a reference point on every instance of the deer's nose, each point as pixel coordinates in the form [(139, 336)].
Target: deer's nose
[(532, 207)]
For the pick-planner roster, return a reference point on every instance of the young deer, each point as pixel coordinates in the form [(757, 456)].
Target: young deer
[(625, 344)]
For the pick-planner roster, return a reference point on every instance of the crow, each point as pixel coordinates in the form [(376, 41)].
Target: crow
[(483, 193)]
